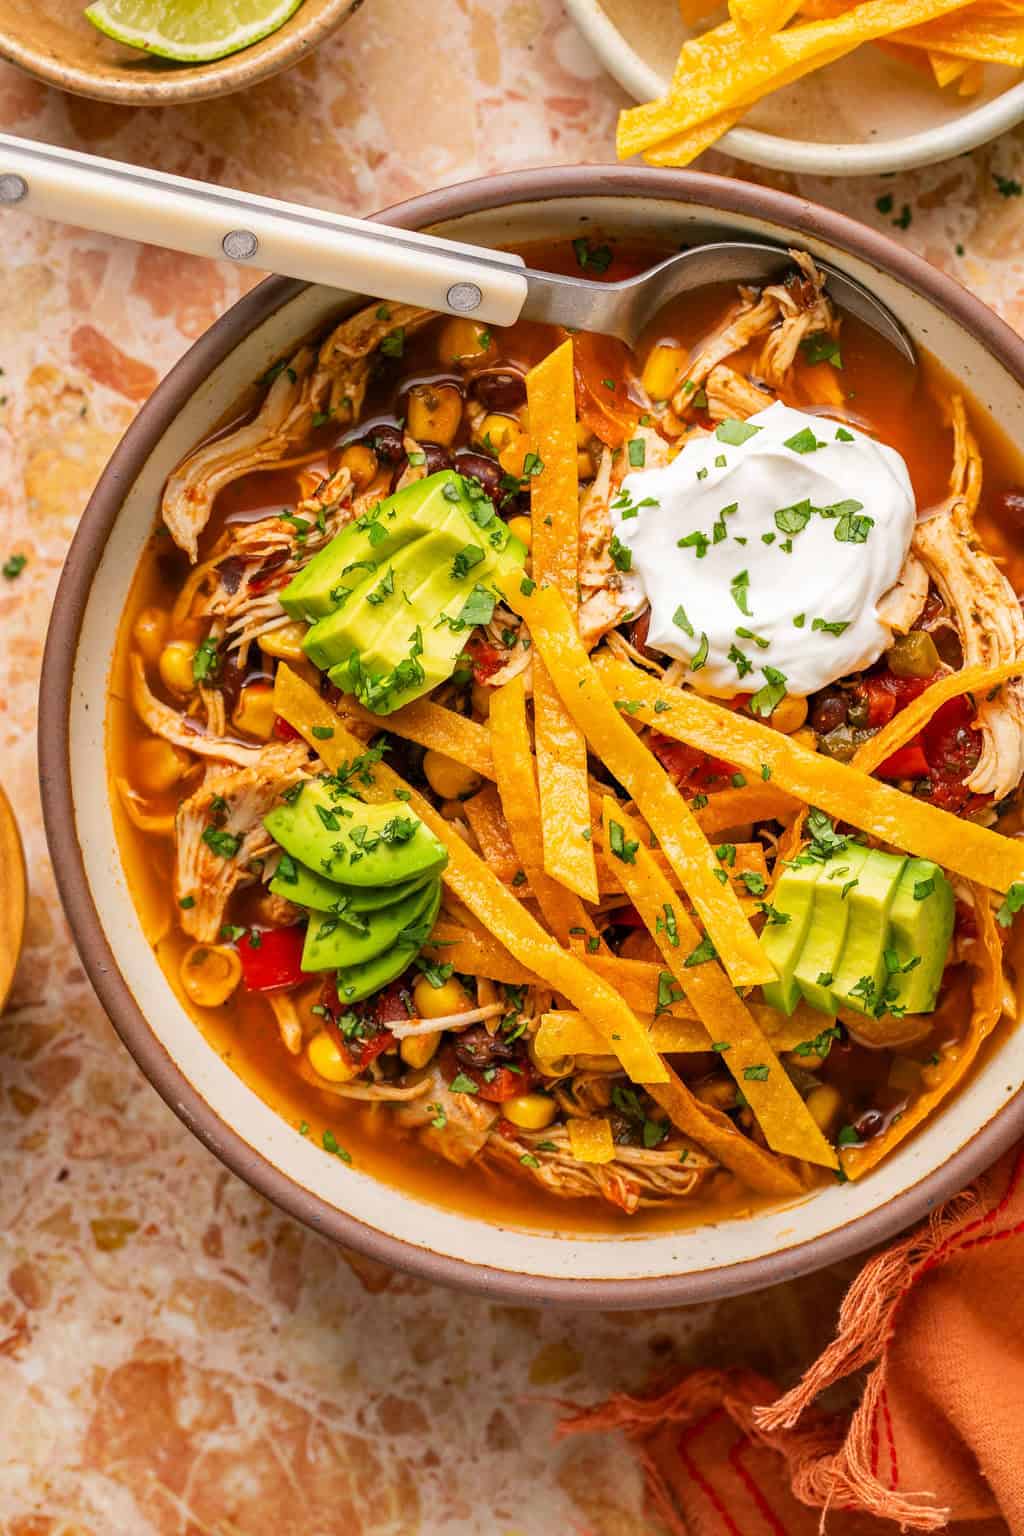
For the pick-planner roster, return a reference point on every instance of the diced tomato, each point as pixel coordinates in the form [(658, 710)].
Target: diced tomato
[(283, 731), (273, 962), (908, 763), (366, 1048), (951, 744), (486, 658), (497, 1084), (689, 768), (887, 694), (392, 1005)]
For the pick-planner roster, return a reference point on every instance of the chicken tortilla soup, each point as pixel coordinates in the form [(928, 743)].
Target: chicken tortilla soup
[(554, 773)]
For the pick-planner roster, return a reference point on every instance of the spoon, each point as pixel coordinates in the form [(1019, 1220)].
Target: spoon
[(12, 898), (403, 265)]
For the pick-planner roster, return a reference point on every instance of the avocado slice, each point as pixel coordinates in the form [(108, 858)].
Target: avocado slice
[(444, 500), (827, 933), (353, 843), (921, 924), (359, 981), (390, 598), (863, 956), (783, 942), (426, 656), (297, 882), (351, 940)]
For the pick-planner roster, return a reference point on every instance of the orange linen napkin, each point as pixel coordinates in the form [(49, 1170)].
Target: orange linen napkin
[(937, 1437)]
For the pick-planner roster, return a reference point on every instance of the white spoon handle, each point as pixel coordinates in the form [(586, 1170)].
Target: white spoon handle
[(261, 232)]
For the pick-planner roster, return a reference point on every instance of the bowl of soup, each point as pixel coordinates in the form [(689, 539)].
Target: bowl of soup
[(547, 813)]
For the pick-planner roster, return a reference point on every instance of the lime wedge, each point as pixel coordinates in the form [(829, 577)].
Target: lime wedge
[(190, 31)]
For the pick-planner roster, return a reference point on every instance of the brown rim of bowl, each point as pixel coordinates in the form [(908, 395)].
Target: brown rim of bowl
[(188, 82), (55, 769)]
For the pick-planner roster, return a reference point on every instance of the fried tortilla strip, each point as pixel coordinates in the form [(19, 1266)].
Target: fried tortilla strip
[(728, 808), (703, 94), (555, 519), (989, 40), (485, 817), (590, 1140), (434, 727), (916, 715), (517, 785), (474, 884), (788, 1125), (563, 1032), (626, 757), (955, 1062), (839, 789), (478, 954)]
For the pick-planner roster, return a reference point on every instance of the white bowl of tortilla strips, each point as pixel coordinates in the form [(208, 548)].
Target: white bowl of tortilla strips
[(514, 795)]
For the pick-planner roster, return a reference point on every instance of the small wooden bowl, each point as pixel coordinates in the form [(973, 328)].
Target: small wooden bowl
[(55, 43)]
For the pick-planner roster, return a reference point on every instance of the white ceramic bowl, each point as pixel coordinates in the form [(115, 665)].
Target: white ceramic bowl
[(344, 1203), (863, 115)]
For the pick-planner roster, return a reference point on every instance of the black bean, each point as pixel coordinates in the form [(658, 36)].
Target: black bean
[(474, 1047), (387, 443), (869, 1124), (438, 458), (829, 709), (477, 466), (499, 389)]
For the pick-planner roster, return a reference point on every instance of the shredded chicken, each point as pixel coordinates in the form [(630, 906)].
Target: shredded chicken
[(781, 316), (331, 382), (984, 608), (750, 320), (164, 721), (455, 1125), (230, 803), (240, 584), (804, 310), (903, 604), (637, 1177), (606, 594), (288, 1023), (733, 397)]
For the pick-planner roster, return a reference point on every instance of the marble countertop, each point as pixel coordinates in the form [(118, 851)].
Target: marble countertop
[(177, 1358)]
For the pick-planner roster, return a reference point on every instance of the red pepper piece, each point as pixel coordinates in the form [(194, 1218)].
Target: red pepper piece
[(273, 962), (283, 731), (908, 763)]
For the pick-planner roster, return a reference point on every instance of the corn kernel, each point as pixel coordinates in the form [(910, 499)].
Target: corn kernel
[(158, 765), (175, 666), (417, 1050), (361, 462), (254, 713), (512, 458), (663, 370), (210, 973), (286, 642), (497, 432), (824, 1104), (149, 632), (584, 465), (463, 341), (447, 778), (789, 714), (522, 528), (432, 1002), (530, 1111), (327, 1059), (434, 413)]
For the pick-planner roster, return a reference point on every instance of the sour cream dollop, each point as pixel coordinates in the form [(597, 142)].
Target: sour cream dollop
[(764, 549)]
